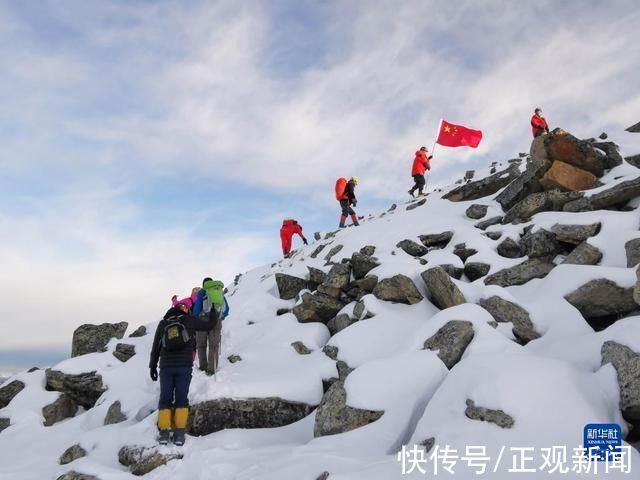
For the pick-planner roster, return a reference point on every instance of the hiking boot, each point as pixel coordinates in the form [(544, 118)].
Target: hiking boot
[(342, 225), (163, 437), (356, 224), (210, 372), (422, 194), (179, 437), (411, 193)]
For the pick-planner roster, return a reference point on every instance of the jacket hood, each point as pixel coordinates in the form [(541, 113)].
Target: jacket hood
[(212, 284), (288, 223), (173, 312)]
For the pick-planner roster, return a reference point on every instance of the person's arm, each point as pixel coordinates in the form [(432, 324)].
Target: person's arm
[(197, 305), (204, 325), (298, 230), (155, 350)]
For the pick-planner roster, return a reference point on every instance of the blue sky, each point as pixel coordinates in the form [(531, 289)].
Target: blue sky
[(147, 144)]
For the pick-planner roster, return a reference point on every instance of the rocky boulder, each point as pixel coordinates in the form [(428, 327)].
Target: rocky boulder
[(412, 248), (614, 196), (362, 287), (476, 211), (300, 348), (338, 277), (142, 460), (523, 185), (497, 417), (633, 160), (575, 234), (414, 205), (289, 286), (549, 201), (484, 187), (64, 407), (450, 341), (72, 453), (317, 308), (73, 475), (340, 322), (83, 388), (332, 252), (335, 416), (362, 264), (509, 248), (610, 149), (602, 301), (521, 273), (476, 270), (489, 222), (443, 292), (225, 413), (141, 331), (316, 277), (114, 414), (564, 147), (632, 248), (94, 338), (463, 252), (436, 240), (504, 311), (10, 390), (584, 254), (124, 351), (566, 177), (634, 128), (627, 365), (398, 288), (542, 243), (452, 271), (4, 423)]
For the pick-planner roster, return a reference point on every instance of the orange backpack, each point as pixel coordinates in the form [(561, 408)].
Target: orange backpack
[(341, 186)]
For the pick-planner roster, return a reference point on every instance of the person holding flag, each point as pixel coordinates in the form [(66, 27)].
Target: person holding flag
[(420, 166)]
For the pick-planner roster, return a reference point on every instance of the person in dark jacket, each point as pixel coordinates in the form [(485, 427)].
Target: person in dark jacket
[(175, 370)]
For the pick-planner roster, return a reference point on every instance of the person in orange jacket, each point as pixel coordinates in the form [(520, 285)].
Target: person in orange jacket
[(539, 124), (345, 194), (420, 166), (288, 229)]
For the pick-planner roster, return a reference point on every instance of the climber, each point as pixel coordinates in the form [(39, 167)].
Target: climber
[(420, 166), (210, 298), (173, 345), (539, 124), (289, 227), (345, 194)]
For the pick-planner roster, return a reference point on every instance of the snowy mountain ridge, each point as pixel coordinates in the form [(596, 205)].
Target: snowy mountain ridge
[(436, 323)]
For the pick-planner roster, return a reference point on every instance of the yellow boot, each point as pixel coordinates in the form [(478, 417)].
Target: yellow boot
[(180, 419), (164, 425)]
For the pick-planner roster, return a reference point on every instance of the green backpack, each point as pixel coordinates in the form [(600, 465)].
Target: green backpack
[(215, 295)]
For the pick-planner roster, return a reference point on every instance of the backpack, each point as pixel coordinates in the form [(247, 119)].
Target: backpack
[(175, 336), (341, 186), (214, 296)]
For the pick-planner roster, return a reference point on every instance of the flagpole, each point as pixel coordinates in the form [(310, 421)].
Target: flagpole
[(433, 149)]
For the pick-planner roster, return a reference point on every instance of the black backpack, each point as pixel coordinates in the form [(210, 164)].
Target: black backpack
[(175, 336)]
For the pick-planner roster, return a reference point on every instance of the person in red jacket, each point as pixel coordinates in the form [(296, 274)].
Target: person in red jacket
[(289, 227), (420, 166), (539, 124)]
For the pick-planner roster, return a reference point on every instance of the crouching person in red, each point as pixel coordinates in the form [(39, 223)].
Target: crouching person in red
[(173, 345), (288, 229)]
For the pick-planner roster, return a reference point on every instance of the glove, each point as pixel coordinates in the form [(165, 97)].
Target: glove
[(430, 157), (153, 373), (304, 240), (354, 203)]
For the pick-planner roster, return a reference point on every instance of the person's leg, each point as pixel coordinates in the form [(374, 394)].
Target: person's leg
[(344, 205), (217, 337), (211, 354), (420, 182), (201, 346), (352, 214), (164, 405), (415, 185), (183, 380)]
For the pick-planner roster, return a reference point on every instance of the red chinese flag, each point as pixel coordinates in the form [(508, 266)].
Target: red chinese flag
[(458, 136)]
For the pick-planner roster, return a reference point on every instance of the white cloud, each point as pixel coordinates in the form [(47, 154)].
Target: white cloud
[(68, 265)]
